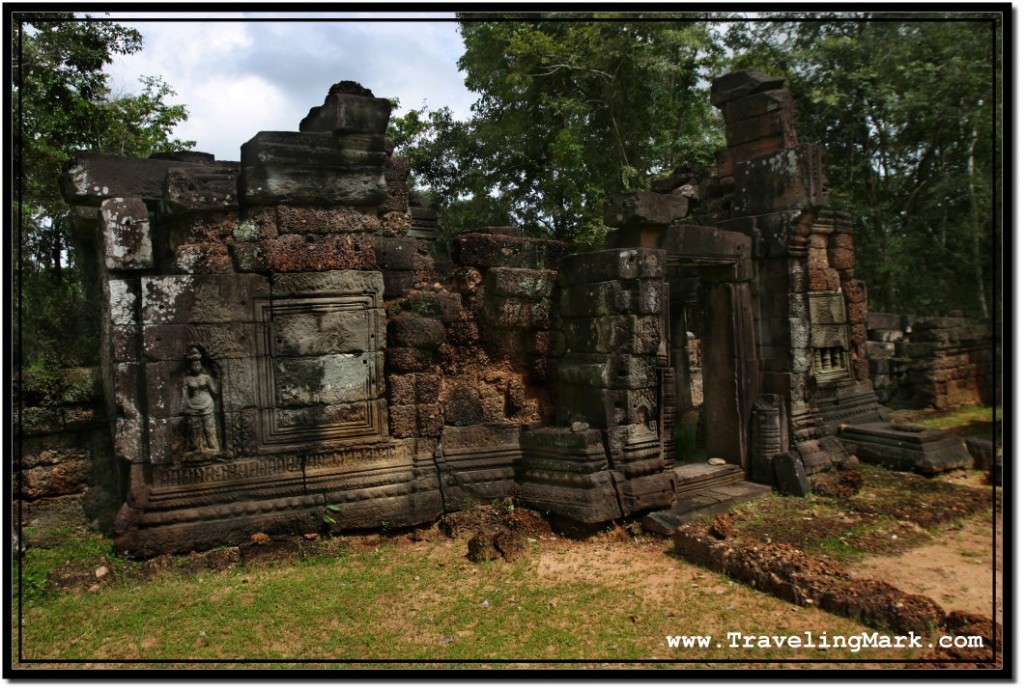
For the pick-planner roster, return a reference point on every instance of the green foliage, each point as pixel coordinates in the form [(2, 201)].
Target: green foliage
[(910, 114), (63, 105), (568, 113)]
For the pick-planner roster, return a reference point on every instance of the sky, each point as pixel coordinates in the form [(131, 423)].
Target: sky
[(243, 73)]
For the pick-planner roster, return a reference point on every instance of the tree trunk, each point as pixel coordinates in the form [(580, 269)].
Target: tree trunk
[(979, 273)]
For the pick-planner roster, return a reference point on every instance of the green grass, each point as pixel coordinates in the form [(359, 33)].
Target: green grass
[(965, 421), (427, 604)]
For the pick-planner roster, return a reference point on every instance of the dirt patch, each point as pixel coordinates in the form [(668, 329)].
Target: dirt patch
[(959, 568), (492, 517)]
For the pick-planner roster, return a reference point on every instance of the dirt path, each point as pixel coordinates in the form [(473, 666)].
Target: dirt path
[(955, 569)]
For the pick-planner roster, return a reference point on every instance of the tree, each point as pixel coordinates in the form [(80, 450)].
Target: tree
[(568, 113), (909, 112), (63, 105)]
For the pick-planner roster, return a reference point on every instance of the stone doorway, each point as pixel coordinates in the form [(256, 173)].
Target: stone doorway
[(704, 351)]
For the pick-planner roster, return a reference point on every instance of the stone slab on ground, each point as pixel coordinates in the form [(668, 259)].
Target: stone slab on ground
[(703, 503)]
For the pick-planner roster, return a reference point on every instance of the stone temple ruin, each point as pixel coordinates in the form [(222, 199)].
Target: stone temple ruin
[(280, 338)]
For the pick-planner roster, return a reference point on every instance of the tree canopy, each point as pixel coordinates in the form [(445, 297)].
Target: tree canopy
[(63, 104), (574, 107)]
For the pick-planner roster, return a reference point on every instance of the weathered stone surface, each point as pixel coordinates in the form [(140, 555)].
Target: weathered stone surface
[(344, 282), (202, 258), (317, 149), (410, 330), (296, 253), (609, 265), (790, 477), (90, 178), (402, 359), (643, 208), (627, 333), (201, 189), (322, 332), (526, 283), (348, 109), (793, 178), (170, 342), (612, 297), (481, 250), (608, 371), (736, 85), (462, 407), (396, 254), (907, 447), (396, 174), (303, 220), (127, 243), (326, 379), (764, 105), (775, 123), (277, 184), (518, 313), (199, 299)]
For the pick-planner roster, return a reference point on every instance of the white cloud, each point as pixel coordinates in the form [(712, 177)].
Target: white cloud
[(240, 77)]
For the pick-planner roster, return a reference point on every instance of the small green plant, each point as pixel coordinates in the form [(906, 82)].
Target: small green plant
[(385, 526), (329, 512), (422, 306)]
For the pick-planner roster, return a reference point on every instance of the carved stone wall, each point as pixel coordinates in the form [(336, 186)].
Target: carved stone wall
[(279, 336)]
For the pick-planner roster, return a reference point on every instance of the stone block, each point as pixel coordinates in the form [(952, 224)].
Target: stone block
[(632, 334), (644, 208), (343, 282), (606, 407), (402, 359), (202, 258), (192, 188), (171, 342), (761, 105), (790, 476), (463, 406), (127, 243), (123, 303), (775, 123), (128, 440), (736, 85), (702, 242), (402, 419), (518, 313), (413, 331), (517, 282), (398, 283), (612, 297), (482, 250), (429, 420), (396, 174), (840, 259), (428, 388), (396, 254), (315, 149), (303, 220), (88, 178), (190, 299), (349, 111), (217, 227), (463, 332), (296, 253), (277, 184), (792, 178), (322, 332), (326, 379), (550, 343), (611, 265), (239, 384), (608, 371)]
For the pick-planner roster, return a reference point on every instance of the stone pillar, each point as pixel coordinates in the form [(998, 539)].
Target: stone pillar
[(809, 309)]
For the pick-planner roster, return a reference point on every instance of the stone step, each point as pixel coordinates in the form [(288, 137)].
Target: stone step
[(696, 476), (697, 504)]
